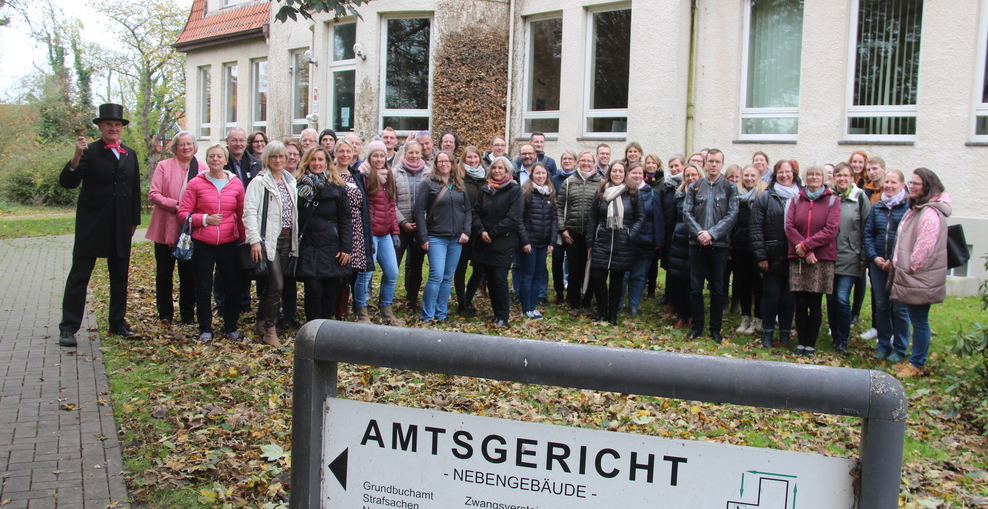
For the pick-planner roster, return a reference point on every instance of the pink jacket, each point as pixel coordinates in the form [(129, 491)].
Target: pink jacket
[(201, 198), (166, 187), (814, 224), (384, 219)]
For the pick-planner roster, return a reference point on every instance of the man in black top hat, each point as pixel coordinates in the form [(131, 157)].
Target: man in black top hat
[(108, 212)]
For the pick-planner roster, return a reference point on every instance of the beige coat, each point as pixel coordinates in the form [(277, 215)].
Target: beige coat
[(926, 285), (254, 205)]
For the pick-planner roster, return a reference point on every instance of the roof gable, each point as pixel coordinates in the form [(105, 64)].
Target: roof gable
[(230, 24)]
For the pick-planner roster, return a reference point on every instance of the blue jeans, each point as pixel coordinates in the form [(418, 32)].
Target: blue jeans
[(384, 252), (637, 278), (530, 268), (839, 309), (777, 303), (919, 316), (708, 263), (361, 287), (891, 317), (444, 254)]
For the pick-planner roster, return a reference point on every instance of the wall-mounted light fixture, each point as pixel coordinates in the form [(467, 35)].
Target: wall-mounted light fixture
[(358, 49)]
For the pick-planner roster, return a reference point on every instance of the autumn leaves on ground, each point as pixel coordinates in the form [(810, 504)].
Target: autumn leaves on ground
[(210, 425)]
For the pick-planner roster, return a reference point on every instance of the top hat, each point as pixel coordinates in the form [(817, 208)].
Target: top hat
[(110, 111)]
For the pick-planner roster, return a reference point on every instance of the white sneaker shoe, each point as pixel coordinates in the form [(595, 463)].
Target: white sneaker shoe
[(536, 314), (745, 323), (870, 334), (754, 326)]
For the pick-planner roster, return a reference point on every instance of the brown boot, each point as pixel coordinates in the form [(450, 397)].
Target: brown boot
[(259, 330), (362, 315), (388, 316), (271, 337)]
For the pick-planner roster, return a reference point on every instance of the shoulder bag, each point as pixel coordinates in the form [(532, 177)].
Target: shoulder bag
[(257, 268)]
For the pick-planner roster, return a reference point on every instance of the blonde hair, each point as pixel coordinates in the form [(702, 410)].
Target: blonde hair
[(332, 176), (703, 175)]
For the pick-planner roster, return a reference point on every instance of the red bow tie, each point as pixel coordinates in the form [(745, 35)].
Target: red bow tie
[(117, 146)]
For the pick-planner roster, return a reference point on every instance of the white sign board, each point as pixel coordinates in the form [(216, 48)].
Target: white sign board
[(379, 456)]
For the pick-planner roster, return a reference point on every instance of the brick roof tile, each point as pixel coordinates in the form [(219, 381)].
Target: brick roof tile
[(230, 21)]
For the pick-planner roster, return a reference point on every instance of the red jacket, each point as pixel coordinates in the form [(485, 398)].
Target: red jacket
[(384, 219), (201, 198), (814, 224)]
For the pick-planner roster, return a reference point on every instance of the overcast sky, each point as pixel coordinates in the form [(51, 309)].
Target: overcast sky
[(19, 53)]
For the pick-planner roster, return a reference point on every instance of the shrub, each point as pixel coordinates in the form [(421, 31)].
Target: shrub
[(973, 391), (31, 177)]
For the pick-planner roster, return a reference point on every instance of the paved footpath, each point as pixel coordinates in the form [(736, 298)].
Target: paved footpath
[(58, 441)]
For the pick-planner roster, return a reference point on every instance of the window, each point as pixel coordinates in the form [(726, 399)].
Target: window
[(342, 76), (300, 91), (406, 74), (771, 70), (259, 106), (885, 78), (205, 102), (609, 59), (230, 94), (981, 93), (545, 49)]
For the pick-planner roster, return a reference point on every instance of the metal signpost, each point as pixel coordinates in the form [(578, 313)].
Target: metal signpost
[(354, 454)]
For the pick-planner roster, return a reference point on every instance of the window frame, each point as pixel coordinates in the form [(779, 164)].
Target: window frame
[(335, 66), (255, 123), (980, 106), (298, 56), (589, 113), (230, 94), (401, 112), (746, 113), (527, 113), (205, 101), (853, 111)]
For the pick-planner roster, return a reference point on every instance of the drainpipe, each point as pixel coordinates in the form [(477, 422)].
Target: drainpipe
[(511, 46), (690, 91)]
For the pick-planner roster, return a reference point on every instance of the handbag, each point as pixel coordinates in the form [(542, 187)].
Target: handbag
[(257, 268), (957, 252), (183, 245)]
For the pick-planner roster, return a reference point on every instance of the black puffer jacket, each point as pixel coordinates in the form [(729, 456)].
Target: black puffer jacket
[(741, 235), (768, 231), (678, 263), (499, 214), (652, 234), (670, 215), (538, 226), (613, 249), (324, 230)]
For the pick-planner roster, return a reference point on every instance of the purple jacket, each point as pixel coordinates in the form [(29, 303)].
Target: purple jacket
[(814, 224)]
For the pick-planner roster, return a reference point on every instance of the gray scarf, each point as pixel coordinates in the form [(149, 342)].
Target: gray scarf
[(477, 173), (615, 206), (786, 192)]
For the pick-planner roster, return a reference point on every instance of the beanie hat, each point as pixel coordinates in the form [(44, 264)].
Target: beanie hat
[(329, 132), (376, 145)]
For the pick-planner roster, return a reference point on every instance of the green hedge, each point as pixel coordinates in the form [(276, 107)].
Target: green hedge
[(31, 177)]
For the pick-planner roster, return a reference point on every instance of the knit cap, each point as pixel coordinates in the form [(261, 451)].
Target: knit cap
[(375, 146)]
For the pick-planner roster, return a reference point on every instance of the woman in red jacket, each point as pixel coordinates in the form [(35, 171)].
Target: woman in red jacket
[(812, 221), (215, 199), (384, 224)]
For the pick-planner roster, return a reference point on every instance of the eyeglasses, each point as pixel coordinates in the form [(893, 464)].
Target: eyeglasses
[(279, 156), (915, 184)]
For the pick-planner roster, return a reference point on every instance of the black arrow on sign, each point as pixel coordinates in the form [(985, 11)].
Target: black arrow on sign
[(338, 467)]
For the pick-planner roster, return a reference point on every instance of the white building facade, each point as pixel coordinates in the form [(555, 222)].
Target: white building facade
[(797, 79)]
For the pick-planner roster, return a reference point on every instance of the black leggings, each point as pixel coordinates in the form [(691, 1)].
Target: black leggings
[(747, 282), (608, 295), (809, 317), (321, 297)]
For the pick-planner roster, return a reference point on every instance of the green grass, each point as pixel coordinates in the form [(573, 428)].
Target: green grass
[(25, 222), (194, 416)]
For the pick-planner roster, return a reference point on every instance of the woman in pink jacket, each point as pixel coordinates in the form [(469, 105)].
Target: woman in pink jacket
[(812, 221), (216, 201), (167, 183)]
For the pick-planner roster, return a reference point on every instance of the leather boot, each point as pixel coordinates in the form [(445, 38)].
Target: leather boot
[(767, 338), (271, 337), (343, 303), (362, 315), (784, 337), (388, 316)]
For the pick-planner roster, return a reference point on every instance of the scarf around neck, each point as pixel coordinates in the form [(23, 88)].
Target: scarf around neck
[(674, 180), (892, 201), (748, 196), (382, 176), (615, 207), (586, 175), (651, 178), (543, 190), (477, 173), (413, 168), (814, 195), (495, 184), (786, 192)]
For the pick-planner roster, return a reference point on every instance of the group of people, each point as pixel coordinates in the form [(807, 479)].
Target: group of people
[(319, 214)]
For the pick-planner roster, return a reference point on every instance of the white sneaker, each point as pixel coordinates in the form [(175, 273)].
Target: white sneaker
[(745, 323), (536, 314), (754, 326), (870, 334)]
